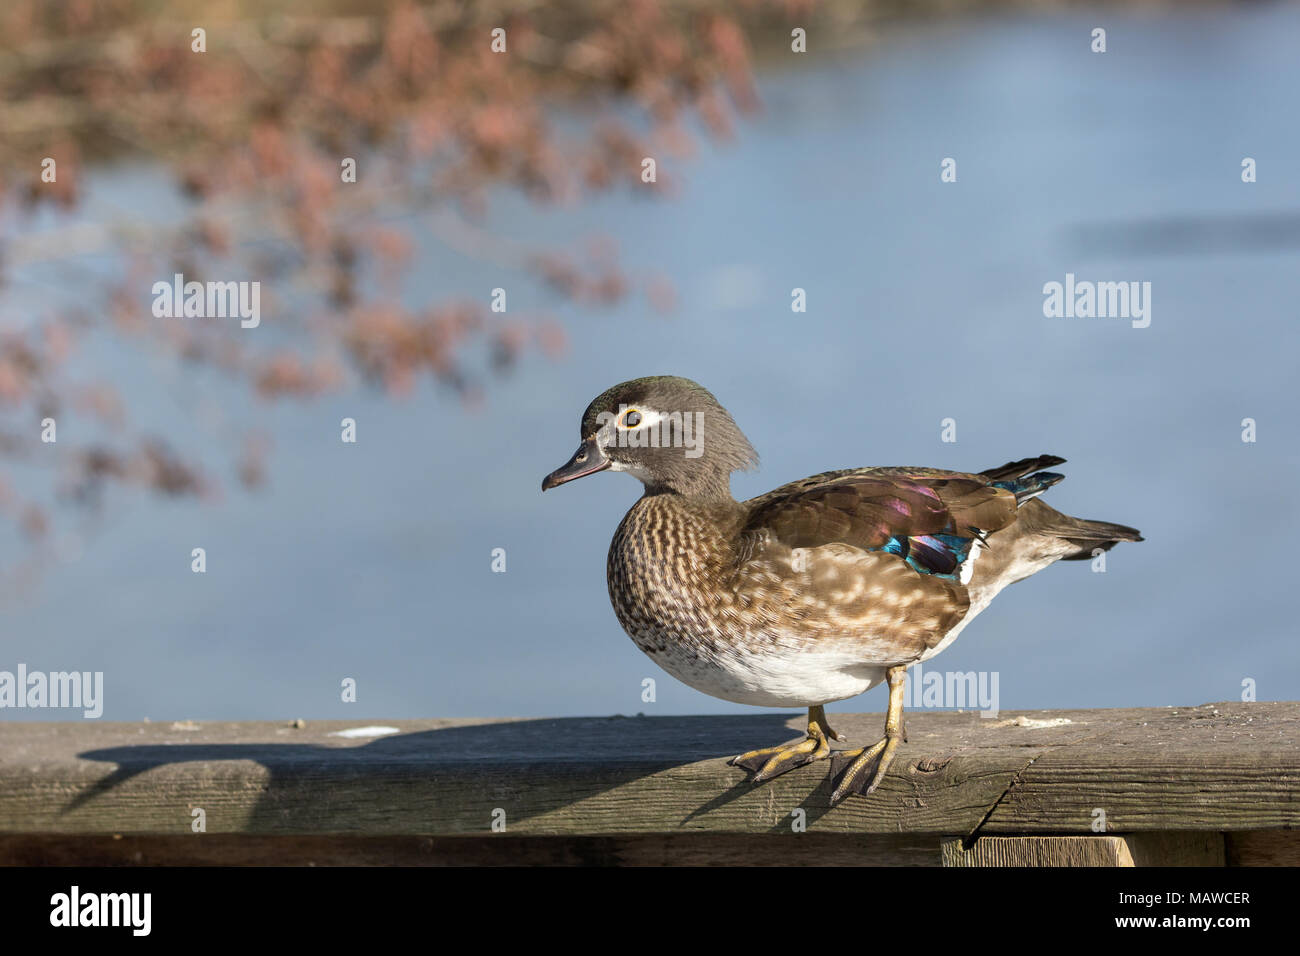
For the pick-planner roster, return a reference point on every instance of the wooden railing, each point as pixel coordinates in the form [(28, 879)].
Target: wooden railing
[(1216, 784)]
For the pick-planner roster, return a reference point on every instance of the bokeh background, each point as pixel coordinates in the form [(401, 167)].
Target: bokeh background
[(373, 560)]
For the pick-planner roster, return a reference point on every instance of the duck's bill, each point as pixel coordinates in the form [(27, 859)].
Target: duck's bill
[(587, 460)]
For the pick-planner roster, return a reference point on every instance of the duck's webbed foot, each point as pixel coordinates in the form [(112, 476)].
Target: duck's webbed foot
[(879, 755), (770, 762)]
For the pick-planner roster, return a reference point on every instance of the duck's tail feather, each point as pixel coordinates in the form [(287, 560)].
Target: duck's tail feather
[(1030, 486), (1084, 535), (1018, 469), (1099, 534), (1024, 479)]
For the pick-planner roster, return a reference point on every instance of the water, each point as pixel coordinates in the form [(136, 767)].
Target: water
[(924, 303)]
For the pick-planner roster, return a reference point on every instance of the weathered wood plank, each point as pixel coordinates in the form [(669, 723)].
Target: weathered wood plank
[(1035, 851), (1134, 849), (1216, 767), (1263, 848), (1219, 764), (652, 849)]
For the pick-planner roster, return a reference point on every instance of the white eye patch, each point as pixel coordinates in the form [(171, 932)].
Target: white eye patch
[(649, 418), (611, 422), (654, 429)]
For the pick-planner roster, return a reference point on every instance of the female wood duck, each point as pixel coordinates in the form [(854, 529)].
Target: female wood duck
[(819, 590)]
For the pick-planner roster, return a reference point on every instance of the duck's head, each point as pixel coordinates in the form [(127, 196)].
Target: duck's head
[(669, 432)]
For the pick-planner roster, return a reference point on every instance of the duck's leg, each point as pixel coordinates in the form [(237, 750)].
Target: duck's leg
[(772, 761), (881, 753)]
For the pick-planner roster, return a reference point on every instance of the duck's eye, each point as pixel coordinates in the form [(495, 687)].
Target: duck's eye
[(631, 418)]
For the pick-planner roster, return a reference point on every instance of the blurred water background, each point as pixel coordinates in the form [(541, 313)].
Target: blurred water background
[(373, 561)]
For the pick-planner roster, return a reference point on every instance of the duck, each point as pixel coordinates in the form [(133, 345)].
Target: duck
[(819, 590)]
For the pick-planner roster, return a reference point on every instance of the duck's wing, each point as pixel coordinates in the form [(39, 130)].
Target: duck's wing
[(926, 517), (881, 554)]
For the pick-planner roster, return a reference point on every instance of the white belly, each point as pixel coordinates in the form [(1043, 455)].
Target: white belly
[(771, 675)]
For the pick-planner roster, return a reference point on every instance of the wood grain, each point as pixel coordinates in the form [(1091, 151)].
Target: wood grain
[(650, 849), (1220, 767), (1136, 849)]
